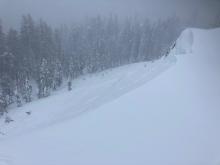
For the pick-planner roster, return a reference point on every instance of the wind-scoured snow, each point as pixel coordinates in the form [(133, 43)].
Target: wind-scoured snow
[(172, 119)]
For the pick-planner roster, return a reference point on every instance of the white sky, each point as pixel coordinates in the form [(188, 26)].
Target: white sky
[(67, 11)]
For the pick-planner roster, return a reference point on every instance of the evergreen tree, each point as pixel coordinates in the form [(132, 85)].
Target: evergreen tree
[(2, 40), (44, 81), (27, 91), (57, 78), (39, 54), (7, 77), (18, 100), (3, 105), (69, 85)]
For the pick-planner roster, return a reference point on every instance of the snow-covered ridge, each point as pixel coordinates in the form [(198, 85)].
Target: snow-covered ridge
[(197, 41), (184, 43)]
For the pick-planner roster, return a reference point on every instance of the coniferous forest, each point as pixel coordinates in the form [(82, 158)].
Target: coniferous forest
[(37, 59)]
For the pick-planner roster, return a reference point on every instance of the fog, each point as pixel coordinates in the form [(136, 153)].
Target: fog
[(58, 12)]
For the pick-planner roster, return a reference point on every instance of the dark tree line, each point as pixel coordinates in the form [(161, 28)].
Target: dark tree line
[(41, 56)]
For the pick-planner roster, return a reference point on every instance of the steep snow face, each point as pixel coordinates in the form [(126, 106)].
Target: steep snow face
[(202, 52), (184, 43), (173, 119)]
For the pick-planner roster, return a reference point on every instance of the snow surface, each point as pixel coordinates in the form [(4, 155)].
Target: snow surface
[(172, 119), (89, 92)]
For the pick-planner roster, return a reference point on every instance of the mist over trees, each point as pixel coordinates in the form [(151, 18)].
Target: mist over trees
[(39, 58)]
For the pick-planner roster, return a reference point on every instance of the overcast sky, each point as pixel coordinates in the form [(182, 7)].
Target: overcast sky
[(66, 11)]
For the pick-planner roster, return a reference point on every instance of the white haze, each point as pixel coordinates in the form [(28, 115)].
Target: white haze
[(57, 12)]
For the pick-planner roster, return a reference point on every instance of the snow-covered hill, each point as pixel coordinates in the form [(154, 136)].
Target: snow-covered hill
[(172, 119), (89, 92)]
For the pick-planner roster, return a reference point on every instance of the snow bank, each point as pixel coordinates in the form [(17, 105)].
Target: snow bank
[(184, 43), (173, 119)]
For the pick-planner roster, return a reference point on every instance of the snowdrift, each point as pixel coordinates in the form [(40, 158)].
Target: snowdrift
[(173, 119)]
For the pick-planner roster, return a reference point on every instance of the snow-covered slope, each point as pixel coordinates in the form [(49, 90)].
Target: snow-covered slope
[(89, 92), (173, 119)]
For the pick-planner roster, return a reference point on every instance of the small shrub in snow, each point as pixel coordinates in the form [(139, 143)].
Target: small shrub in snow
[(28, 113), (18, 101), (69, 85), (8, 119)]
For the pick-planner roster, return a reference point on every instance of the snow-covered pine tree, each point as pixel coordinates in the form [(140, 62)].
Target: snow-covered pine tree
[(7, 76), (38, 53), (2, 105), (57, 78), (18, 100), (44, 81), (27, 91), (69, 85)]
